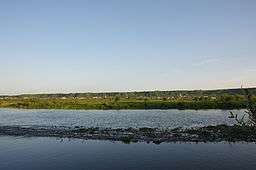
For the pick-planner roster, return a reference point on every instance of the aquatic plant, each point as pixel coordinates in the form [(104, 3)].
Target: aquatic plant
[(251, 112), (126, 139)]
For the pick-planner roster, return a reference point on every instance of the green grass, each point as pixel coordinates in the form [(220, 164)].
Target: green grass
[(122, 103)]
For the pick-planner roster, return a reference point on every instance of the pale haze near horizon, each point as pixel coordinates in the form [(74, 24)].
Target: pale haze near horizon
[(97, 46)]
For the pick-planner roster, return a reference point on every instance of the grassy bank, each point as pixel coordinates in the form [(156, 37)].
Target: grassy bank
[(197, 99), (121, 103)]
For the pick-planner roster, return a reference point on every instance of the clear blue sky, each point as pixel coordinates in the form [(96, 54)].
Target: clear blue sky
[(126, 45)]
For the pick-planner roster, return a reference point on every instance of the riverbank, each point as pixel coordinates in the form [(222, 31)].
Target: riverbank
[(122, 103), (200, 134), (181, 99)]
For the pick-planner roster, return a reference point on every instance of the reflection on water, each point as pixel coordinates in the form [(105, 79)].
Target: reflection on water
[(50, 153), (115, 118)]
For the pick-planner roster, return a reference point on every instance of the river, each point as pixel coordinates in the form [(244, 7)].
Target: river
[(115, 118)]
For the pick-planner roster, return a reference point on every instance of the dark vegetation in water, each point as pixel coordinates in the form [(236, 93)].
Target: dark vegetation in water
[(198, 99), (200, 134), (251, 112)]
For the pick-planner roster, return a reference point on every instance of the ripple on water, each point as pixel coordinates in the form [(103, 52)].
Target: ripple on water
[(115, 118)]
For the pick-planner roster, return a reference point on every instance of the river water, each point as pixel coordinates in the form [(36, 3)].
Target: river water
[(40, 153), (29, 153), (115, 118)]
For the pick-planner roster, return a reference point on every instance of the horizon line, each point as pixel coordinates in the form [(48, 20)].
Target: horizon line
[(139, 91)]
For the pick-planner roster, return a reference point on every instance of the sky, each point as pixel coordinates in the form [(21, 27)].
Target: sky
[(50, 46)]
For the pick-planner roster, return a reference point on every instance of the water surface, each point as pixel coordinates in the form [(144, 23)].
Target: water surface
[(50, 153), (115, 118)]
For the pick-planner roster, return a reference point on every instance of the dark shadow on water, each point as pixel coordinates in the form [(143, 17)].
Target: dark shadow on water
[(64, 153)]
